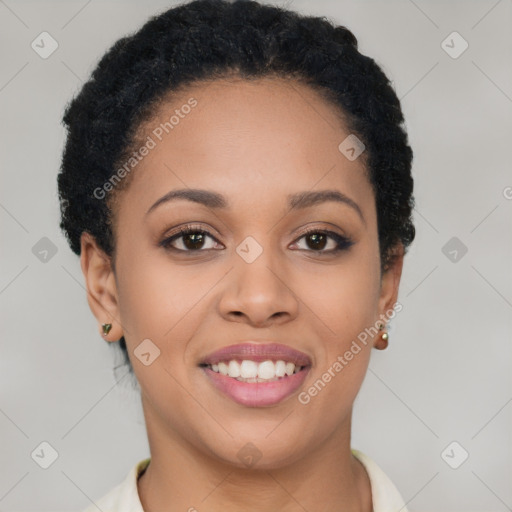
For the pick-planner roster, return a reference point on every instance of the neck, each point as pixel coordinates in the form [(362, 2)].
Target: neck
[(181, 477)]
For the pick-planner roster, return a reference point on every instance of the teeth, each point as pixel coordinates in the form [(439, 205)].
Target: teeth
[(251, 371), (267, 370), (280, 368), (248, 369), (233, 369)]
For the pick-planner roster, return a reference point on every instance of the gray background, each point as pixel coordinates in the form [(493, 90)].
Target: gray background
[(446, 375)]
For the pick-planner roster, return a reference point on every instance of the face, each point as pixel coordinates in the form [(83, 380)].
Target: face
[(266, 260)]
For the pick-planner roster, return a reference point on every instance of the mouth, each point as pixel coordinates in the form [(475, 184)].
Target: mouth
[(257, 375), (251, 371)]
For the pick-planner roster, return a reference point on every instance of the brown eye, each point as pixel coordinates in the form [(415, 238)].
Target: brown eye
[(189, 240), (325, 241), (193, 241), (317, 241)]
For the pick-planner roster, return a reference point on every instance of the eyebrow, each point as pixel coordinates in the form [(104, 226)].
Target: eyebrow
[(296, 201)]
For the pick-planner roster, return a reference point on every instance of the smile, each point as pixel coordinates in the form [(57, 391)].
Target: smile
[(254, 391), (256, 374), (252, 371)]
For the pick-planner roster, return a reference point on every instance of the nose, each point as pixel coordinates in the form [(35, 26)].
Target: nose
[(259, 293)]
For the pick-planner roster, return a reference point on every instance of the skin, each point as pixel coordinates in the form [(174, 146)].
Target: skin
[(255, 143)]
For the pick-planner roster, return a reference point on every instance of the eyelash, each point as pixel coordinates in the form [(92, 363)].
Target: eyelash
[(342, 242)]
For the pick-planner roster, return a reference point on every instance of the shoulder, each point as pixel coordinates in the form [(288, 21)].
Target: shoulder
[(385, 495), (123, 497)]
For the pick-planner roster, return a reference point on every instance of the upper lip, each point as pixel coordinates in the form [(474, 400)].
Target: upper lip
[(259, 352)]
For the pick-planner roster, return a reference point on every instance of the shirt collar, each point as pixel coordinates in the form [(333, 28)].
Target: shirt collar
[(385, 496)]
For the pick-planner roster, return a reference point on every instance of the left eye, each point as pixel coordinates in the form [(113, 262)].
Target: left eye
[(318, 240)]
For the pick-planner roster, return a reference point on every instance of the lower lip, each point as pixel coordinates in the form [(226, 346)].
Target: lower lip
[(257, 394)]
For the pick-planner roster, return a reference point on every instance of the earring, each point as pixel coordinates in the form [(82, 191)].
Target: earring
[(106, 328), (384, 337)]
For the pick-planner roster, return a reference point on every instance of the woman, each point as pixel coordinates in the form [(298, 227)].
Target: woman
[(237, 182)]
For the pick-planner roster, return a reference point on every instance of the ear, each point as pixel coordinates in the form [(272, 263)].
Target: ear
[(101, 286), (390, 281)]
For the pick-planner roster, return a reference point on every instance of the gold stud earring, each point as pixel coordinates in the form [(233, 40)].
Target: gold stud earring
[(384, 337), (106, 328)]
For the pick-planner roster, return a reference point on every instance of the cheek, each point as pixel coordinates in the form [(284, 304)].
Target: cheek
[(346, 297), (147, 297), (345, 300), (347, 309), (150, 291), (161, 301), (156, 304)]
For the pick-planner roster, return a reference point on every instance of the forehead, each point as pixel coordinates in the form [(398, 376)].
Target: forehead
[(255, 141)]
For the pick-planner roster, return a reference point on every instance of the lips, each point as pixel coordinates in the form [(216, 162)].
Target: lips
[(256, 374), (258, 352)]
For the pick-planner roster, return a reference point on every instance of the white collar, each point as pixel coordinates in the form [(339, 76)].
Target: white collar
[(125, 497)]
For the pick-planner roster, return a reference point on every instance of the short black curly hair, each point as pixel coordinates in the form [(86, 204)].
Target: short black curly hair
[(204, 40)]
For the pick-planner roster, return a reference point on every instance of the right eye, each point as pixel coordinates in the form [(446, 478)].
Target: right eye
[(188, 239)]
